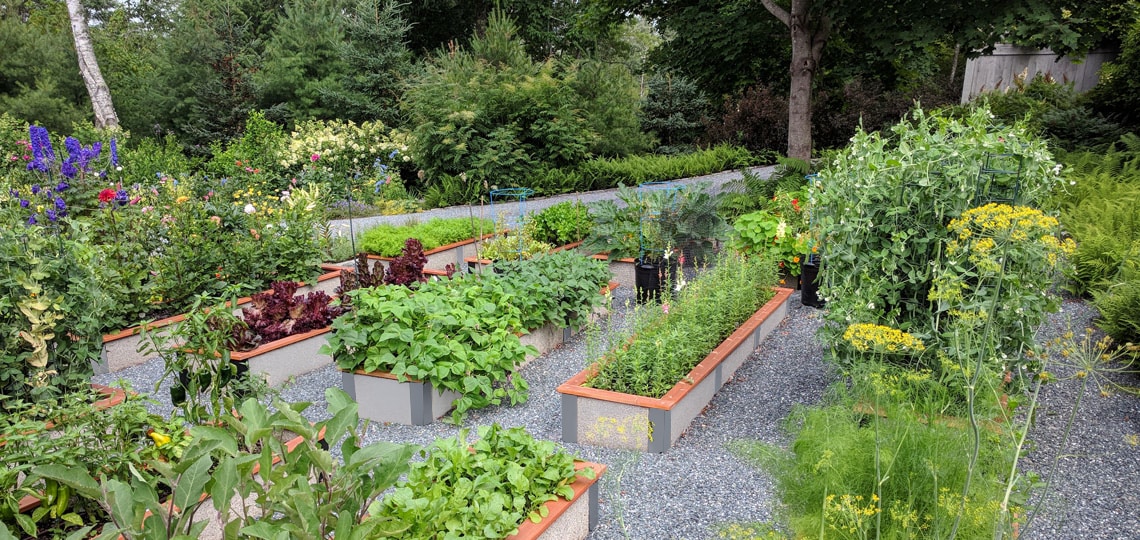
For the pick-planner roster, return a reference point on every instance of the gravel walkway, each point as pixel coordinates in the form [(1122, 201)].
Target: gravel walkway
[(340, 227)]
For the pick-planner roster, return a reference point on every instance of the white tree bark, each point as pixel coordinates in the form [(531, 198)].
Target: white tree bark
[(105, 116)]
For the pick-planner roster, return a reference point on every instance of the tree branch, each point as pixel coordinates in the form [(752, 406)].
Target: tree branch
[(778, 12), (819, 37)]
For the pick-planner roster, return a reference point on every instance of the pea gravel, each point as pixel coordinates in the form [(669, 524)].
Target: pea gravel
[(698, 485)]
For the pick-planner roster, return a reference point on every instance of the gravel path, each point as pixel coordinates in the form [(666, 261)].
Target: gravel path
[(340, 227)]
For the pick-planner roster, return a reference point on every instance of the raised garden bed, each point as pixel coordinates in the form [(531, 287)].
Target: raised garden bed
[(568, 520), (622, 270), (438, 258), (121, 349), (288, 357), (383, 398), (618, 420)]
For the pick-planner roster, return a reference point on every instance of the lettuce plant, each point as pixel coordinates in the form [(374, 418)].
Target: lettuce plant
[(280, 313)]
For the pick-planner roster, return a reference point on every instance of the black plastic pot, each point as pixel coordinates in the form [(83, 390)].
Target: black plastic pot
[(809, 275), (650, 278), (647, 281)]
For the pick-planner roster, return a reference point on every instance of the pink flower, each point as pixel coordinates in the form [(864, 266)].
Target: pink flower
[(665, 308), (314, 157)]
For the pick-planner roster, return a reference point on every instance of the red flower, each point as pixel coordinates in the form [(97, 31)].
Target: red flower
[(107, 195)]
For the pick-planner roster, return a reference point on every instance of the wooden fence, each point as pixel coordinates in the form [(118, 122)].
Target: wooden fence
[(1007, 63)]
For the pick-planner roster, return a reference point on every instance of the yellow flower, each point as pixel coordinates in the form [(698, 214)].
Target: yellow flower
[(873, 337), (181, 199)]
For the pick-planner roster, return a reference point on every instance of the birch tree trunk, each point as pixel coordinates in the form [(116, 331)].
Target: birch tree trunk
[(105, 116)]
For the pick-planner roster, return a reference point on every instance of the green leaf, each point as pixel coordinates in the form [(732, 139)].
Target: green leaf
[(192, 482), (75, 477)]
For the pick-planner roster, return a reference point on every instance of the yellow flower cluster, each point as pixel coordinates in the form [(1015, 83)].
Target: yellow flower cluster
[(1018, 223), (979, 231), (877, 338), (848, 514)]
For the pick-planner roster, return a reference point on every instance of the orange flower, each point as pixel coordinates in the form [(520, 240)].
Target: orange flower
[(796, 259), (253, 233)]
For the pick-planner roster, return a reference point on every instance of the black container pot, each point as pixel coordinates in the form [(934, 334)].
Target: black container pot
[(650, 278), (809, 275)]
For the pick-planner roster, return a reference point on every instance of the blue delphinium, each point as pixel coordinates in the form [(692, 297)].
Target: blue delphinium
[(42, 153)]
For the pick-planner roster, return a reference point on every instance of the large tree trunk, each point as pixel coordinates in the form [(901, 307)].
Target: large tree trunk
[(808, 38), (105, 116)]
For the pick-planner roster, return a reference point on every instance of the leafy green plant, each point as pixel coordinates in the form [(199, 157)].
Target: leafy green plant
[(74, 432), (667, 341), (457, 335), (256, 485), (49, 306), (561, 224), (388, 240), (653, 220), (616, 228), (509, 245), (764, 232), (206, 385), (883, 203), (505, 469), (561, 288), (1119, 304)]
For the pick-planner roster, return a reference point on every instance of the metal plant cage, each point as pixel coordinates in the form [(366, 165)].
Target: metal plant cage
[(513, 221), (659, 203), (999, 180)]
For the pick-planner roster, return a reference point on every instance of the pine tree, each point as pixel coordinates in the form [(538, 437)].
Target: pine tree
[(378, 63)]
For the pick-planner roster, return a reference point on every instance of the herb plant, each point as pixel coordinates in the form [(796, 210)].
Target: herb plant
[(668, 340), (507, 470), (457, 335)]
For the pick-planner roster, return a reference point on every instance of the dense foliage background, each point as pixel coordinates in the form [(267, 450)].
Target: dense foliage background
[(508, 96)]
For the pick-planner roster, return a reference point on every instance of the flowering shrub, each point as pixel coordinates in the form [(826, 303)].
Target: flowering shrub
[(368, 154)]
